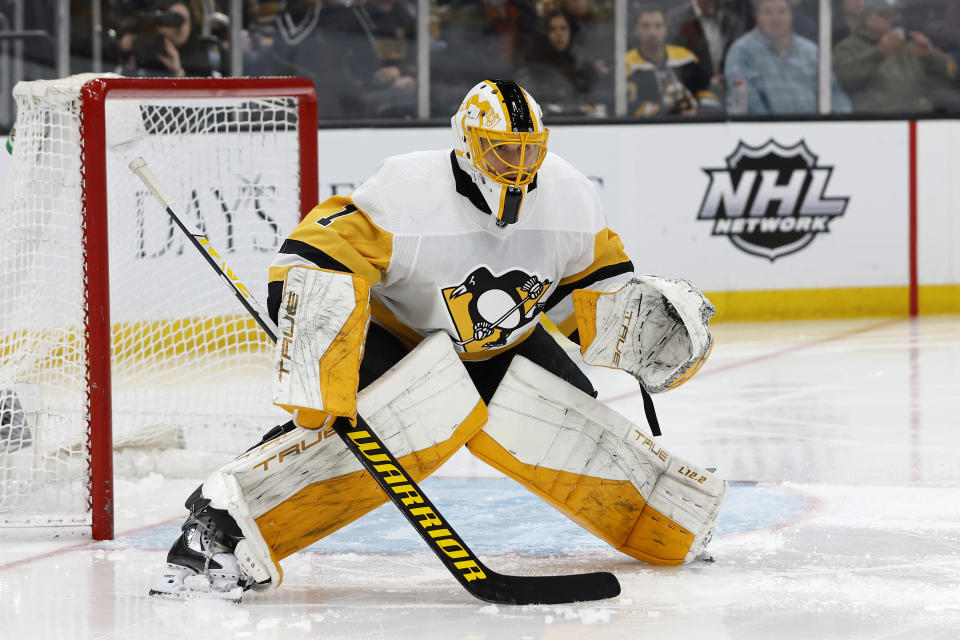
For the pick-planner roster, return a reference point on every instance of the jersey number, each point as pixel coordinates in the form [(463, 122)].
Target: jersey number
[(347, 210)]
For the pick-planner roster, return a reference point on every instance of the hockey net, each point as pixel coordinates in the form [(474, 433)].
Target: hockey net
[(119, 347)]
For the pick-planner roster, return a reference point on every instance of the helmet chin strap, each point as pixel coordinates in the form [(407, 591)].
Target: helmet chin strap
[(505, 202), (511, 205)]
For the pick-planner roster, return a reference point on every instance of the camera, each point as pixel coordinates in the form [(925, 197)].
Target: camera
[(151, 21), (147, 47)]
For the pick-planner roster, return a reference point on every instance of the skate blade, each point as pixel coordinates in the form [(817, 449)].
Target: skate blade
[(180, 583), (234, 595), (704, 556)]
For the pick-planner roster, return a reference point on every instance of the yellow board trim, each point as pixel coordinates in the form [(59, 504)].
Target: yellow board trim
[(852, 302), (169, 341), (941, 298), (239, 334), (822, 304)]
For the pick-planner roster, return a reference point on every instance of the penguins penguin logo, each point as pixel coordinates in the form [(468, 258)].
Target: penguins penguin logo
[(486, 308)]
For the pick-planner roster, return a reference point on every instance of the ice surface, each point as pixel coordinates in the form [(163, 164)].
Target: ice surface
[(843, 520)]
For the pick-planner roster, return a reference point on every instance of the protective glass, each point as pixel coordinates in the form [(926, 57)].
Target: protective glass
[(508, 158)]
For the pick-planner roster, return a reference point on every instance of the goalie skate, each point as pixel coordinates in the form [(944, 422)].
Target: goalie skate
[(202, 563), (184, 583)]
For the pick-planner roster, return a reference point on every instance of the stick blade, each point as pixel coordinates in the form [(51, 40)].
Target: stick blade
[(583, 587)]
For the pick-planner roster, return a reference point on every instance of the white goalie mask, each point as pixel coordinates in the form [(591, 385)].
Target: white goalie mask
[(501, 143)]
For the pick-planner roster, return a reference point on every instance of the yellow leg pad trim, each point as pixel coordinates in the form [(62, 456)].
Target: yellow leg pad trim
[(657, 539), (612, 510), (320, 509)]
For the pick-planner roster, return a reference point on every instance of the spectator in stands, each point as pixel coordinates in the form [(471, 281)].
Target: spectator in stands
[(664, 79), (948, 30), (847, 17), (512, 22), (163, 43), (771, 70), (562, 83), (39, 54), (381, 58), (82, 34), (926, 16), (593, 42), (358, 54), (475, 39), (884, 69), (940, 20), (804, 18), (708, 28), (309, 40)]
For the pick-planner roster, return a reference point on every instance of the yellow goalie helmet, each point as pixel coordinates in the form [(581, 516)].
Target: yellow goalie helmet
[(501, 143)]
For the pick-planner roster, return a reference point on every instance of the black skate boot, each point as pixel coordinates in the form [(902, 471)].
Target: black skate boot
[(201, 562)]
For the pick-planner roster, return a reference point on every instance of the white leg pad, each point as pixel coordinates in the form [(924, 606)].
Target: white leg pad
[(415, 406), (253, 554), (543, 424)]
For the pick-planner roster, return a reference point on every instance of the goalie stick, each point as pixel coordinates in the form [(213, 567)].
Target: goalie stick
[(473, 575)]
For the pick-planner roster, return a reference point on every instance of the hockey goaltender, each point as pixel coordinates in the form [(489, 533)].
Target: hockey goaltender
[(455, 254)]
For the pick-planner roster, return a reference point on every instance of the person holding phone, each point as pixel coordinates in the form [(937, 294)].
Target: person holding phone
[(886, 68)]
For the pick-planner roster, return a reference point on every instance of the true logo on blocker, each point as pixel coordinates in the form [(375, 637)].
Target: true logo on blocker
[(770, 200)]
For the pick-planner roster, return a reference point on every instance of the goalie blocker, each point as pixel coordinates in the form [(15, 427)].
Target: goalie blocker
[(322, 326)]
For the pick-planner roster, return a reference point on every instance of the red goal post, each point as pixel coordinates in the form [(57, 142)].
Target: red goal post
[(204, 128)]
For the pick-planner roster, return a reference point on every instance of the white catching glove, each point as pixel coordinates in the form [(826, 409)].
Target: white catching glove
[(654, 328)]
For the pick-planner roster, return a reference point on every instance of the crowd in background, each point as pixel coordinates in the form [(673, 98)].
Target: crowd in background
[(684, 58)]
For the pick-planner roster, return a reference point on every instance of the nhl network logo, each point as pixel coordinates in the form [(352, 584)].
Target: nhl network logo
[(769, 200)]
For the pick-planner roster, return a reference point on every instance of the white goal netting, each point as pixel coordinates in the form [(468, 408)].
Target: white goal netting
[(190, 372)]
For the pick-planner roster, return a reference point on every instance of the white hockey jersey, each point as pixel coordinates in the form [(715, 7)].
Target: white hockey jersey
[(419, 231)]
